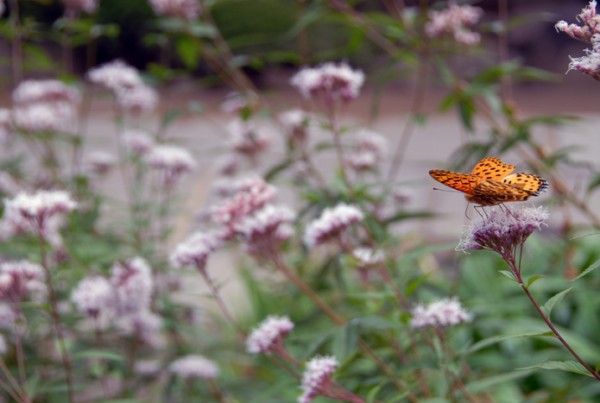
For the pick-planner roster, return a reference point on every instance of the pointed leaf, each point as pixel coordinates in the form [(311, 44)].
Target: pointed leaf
[(483, 385), (533, 279), (547, 307), (589, 269), (496, 339), (568, 366), (508, 274)]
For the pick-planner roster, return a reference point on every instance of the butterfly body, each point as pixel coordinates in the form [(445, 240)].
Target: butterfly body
[(491, 183)]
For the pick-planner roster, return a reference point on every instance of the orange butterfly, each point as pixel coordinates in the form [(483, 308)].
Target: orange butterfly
[(490, 183)]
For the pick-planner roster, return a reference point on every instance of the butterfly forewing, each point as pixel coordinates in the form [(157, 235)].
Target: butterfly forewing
[(492, 168), (529, 182), (465, 183)]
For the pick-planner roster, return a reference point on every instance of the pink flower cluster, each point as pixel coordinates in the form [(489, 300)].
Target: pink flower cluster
[(171, 161), (18, 279), (367, 152), (195, 250), (442, 313), (332, 222), (44, 105), (137, 142), (184, 9), (588, 31), (316, 377), (268, 334), (194, 366), (246, 139), (263, 231), (295, 122), (455, 22), (333, 82), (130, 92), (88, 6)]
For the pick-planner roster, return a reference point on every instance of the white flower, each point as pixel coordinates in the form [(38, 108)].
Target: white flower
[(331, 223), (334, 81), (454, 21), (172, 161), (137, 142), (195, 250), (18, 279), (100, 162), (35, 91), (140, 98), (295, 122), (317, 372), (132, 281), (143, 324), (8, 317), (93, 295), (43, 116), (442, 313), (269, 331), (368, 257), (185, 9), (246, 138), (194, 366), (116, 75)]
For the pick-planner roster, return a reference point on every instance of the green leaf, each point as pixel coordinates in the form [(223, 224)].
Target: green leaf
[(497, 339), (547, 307), (189, 52), (533, 279), (568, 366), (107, 355), (589, 269), (507, 274), (483, 385)]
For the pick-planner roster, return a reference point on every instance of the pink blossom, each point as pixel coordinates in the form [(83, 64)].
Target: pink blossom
[(269, 332), (295, 122), (334, 82), (332, 222), (247, 139), (133, 284), (35, 91), (137, 142), (441, 313), (171, 161), (455, 21), (94, 297), (116, 76), (184, 9), (140, 98), (194, 366), (264, 230), (100, 163), (317, 375), (18, 279), (590, 24), (195, 250)]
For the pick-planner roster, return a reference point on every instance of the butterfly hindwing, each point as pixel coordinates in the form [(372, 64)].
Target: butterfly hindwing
[(529, 182), (499, 192), (465, 183), (492, 168)]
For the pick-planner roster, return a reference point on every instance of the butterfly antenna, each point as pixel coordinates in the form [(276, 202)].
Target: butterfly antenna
[(446, 190)]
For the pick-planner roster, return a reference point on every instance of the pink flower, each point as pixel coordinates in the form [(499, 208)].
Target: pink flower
[(442, 313), (36, 211), (89, 6), (116, 76), (264, 230), (454, 22), (18, 279), (43, 117), (332, 222), (184, 9), (195, 250), (100, 163), (171, 161), (35, 91), (133, 284), (590, 24), (194, 366), (142, 324), (137, 142), (247, 139), (140, 98), (252, 195), (334, 82), (316, 377), (295, 122), (94, 297), (269, 332)]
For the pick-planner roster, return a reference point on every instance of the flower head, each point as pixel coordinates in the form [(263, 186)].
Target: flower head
[(171, 161), (265, 229), (89, 6), (184, 9), (195, 250), (100, 162), (132, 281), (116, 76), (333, 82), (268, 334), (18, 279), (140, 98), (142, 324), (590, 24), (317, 375), (502, 230), (251, 195), (247, 139), (295, 122), (332, 222), (442, 313), (35, 91), (367, 151), (194, 366), (94, 297), (137, 142), (36, 211), (455, 22)]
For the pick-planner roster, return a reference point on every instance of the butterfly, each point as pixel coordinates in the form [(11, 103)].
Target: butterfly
[(491, 183)]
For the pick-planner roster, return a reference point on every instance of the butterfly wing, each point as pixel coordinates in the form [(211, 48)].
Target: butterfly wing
[(491, 192), (529, 182), (492, 168), (465, 183)]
